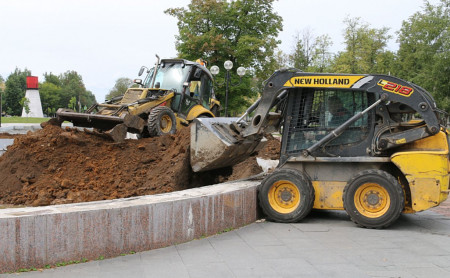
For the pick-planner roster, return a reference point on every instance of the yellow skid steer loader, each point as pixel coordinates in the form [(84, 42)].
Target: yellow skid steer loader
[(372, 145)]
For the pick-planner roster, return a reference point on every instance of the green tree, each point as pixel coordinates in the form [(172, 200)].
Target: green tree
[(15, 87), (72, 86), (322, 57), (121, 86), (311, 53), (424, 52), (304, 47), (58, 90), (25, 103), (50, 96), (364, 45), (51, 78), (242, 31), (72, 103)]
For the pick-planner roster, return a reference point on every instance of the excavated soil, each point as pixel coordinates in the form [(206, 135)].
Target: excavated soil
[(58, 166)]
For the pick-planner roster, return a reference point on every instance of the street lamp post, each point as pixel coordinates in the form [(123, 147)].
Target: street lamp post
[(228, 65)]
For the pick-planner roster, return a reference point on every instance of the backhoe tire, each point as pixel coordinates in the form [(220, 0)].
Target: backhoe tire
[(161, 121), (286, 196), (373, 199)]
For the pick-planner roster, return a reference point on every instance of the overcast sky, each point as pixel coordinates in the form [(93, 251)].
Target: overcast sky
[(104, 40)]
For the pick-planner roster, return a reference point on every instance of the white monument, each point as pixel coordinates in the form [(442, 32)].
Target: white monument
[(32, 94)]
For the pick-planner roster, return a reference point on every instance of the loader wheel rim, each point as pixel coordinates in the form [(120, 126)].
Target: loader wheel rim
[(284, 196), (166, 123), (372, 200)]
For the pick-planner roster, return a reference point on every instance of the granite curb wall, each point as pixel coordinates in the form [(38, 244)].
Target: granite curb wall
[(37, 236)]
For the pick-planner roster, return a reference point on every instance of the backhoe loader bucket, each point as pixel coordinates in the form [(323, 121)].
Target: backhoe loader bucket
[(114, 126), (102, 122), (214, 145)]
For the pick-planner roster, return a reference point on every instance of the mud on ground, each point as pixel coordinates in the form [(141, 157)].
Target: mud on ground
[(57, 166)]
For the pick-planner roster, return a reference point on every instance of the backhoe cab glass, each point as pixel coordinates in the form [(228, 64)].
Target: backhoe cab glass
[(169, 77), (316, 112)]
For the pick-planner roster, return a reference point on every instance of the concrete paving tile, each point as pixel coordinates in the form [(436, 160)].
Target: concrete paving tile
[(231, 235), (78, 270), (427, 272), (33, 274), (424, 248), (257, 235), (354, 258), (279, 251), (312, 227), (442, 241), (216, 270), (127, 260), (434, 225), (252, 270), (234, 250), (440, 261), (198, 251), (334, 241), (298, 245), (88, 269), (324, 257), (164, 268), (403, 257), (283, 231), (376, 259), (366, 268), (373, 242), (390, 273), (120, 273), (340, 270), (292, 267), (167, 253), (397, 260)]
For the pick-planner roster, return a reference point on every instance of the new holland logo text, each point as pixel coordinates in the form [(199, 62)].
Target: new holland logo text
[(395, 88), (322, 81), (333, 81)]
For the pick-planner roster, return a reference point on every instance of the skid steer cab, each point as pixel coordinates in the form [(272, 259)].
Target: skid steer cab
[(172, 94), (372, 145)]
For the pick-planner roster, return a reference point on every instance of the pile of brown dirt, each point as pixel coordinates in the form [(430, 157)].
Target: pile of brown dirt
[(57, 166)]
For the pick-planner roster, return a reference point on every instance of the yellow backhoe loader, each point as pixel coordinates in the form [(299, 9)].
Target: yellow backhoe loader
[(173, 93), (372, 145)]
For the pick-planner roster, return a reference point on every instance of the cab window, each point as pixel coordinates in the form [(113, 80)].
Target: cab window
[(316, 112)]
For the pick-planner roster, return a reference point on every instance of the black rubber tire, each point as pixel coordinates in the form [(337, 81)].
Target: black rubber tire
[(380, 179), (272, 209), (154, 121)]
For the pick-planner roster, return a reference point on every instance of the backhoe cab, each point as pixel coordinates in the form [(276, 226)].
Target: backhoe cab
[(372, 145), (173, 93)]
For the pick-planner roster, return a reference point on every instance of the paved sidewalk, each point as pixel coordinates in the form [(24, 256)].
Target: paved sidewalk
[(326, 244)]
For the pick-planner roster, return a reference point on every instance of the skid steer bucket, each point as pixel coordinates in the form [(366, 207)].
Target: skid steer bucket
[(214, 145)]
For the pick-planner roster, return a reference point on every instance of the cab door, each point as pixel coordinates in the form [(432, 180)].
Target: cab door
[(206, 91), (198, 91)]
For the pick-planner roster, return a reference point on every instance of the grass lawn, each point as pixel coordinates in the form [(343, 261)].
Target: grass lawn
[(23, 120)]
